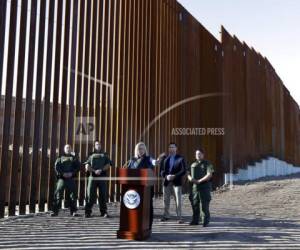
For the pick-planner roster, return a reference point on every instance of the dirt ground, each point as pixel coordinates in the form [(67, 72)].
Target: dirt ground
[(272, 197), (258, 215)]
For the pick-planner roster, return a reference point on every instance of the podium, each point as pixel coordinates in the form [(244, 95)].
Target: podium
[(135, 203)]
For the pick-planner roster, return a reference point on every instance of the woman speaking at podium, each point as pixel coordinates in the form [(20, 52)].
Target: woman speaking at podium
[(141, 160)]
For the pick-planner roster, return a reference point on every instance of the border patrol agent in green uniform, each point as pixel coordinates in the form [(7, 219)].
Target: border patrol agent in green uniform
[(200, 177), (97, 164), (66, 167)]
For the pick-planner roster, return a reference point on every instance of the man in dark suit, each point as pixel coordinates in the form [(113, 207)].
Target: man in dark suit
[(173, 168)]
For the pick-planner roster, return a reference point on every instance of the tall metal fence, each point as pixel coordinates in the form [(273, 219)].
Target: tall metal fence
[(123, 71)]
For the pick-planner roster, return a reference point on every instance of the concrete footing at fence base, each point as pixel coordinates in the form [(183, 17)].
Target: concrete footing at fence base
[(267, 167)]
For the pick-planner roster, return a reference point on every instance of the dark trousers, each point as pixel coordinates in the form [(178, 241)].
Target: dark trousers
[(70, 186), (91, 195), (202, 197), (151, 208)]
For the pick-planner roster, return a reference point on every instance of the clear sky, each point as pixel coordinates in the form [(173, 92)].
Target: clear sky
[(272, 27)]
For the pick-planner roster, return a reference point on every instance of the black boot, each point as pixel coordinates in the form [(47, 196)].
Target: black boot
[(55, 209), (205, 223), (53, 214)]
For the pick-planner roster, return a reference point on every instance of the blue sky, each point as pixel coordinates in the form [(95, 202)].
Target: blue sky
[(272, 27)]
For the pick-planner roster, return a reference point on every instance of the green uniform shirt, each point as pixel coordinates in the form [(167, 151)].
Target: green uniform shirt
[(67, 164), (98, 160), (198, 170)]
